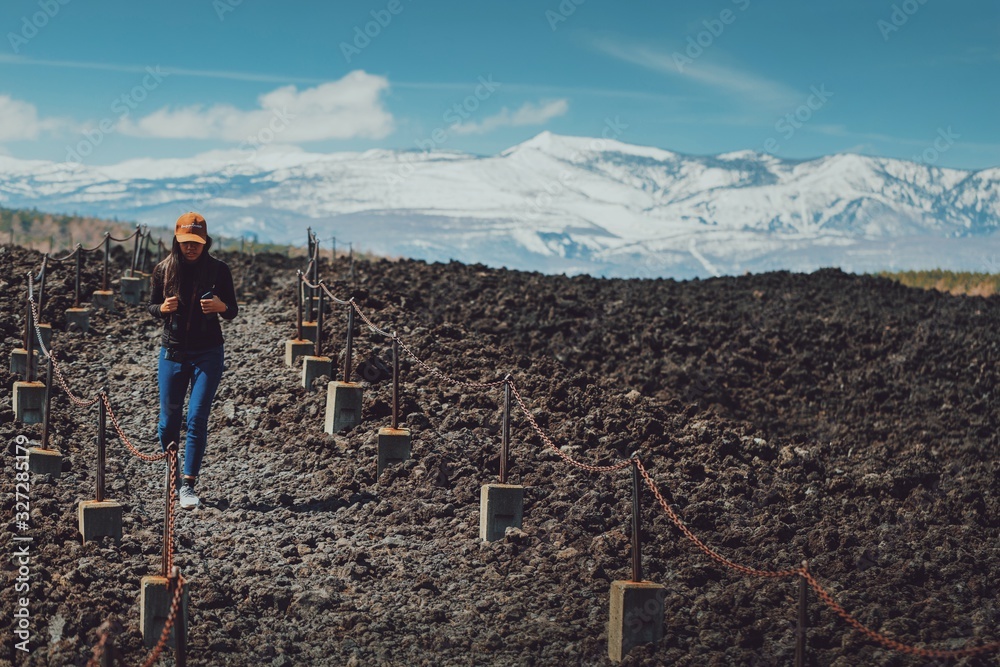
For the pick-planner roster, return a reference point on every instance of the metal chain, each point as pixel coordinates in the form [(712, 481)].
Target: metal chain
[(127, 238), (548, 441), (95, 248), (49, 354), (714, 555), (445, 376), (124, 438), (171, 516), (329, 293), (827, 598), (371, 325), (60, 260)]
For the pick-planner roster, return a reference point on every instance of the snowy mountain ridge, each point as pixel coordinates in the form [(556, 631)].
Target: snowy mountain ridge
[(556, 203)]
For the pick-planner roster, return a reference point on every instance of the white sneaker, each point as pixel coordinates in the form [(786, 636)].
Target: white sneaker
[(189, 500)]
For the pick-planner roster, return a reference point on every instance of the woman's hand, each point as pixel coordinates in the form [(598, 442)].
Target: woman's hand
[(169, 305), (213, 305)]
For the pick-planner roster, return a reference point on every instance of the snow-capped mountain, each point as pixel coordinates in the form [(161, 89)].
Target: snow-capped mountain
[(557, 203)]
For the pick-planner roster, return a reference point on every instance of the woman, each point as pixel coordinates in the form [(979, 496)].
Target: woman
[(190, 291)]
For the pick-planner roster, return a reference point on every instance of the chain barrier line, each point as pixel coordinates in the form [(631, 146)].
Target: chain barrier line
[(445, 376), (151, 458), (708, 551), (95, 248), (172, 516), (876, 636), (127, 238), (60, 260), (371, 325), (49, 354), (551, 445)]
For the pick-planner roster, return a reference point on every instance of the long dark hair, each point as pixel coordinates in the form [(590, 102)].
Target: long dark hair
[(171, 268)]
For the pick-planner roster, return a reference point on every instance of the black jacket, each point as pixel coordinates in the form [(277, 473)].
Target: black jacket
[(189, 328)]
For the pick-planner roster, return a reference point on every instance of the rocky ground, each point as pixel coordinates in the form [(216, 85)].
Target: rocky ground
[(841, 419)]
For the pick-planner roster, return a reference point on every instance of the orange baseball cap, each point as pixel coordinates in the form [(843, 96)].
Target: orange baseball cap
[(191, 227)]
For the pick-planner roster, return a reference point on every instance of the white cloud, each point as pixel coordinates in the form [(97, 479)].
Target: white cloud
[(345, 109), (20, 120), (528, 114), (729, 80)]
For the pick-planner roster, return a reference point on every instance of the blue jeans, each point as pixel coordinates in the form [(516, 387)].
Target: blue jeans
[(201, 371)]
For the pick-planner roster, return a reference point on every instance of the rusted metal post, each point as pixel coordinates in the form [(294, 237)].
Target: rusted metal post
[(803, 623), (636, 525), (350, 342), (41, 285), (310, 274), (180, 627), (48, 405), (298, 316), (505, 431), (395, 381), (333, 251), (79, 271), (319, 323), (102, 422), (107, 260), (135, 250)]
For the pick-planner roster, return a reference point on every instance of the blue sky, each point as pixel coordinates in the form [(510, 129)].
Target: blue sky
[(110, 81)]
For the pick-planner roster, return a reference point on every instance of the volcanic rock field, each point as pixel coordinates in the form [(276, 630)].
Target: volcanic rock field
[(840, 419)]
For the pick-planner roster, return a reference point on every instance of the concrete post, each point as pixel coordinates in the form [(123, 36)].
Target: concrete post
[(313, 367), (343, 406), (78, 319), (636, 616), (309, 331), (29, 402), (44, 461), (104, 299), (155, 598), (19, 359), (131, 287), (393, 447), (100, 519), (501, 506), (295, 348)]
